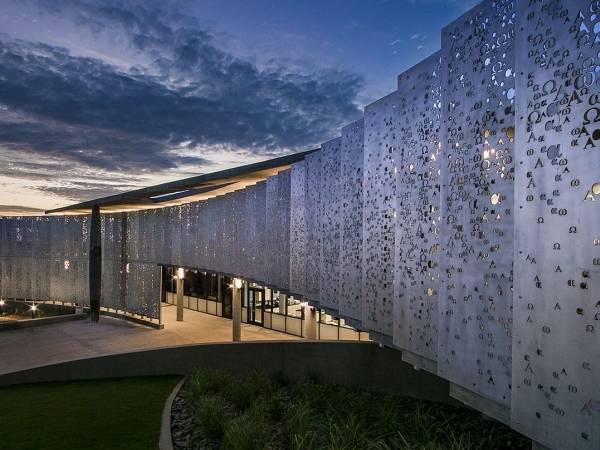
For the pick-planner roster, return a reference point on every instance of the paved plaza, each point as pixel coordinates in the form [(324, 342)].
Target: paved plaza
[(49, 344)]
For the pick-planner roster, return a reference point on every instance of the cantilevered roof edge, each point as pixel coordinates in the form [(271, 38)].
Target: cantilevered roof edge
[(183, 184)]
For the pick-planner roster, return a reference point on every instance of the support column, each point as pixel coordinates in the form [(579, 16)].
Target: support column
[(95, 264), (163, 288), (179, 297), (219, 293), (310, 323), (236, 310), (283, 304)]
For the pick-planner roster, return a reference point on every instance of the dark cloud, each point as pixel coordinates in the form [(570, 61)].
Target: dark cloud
[(104, 148), (192, 94), (77, 190)]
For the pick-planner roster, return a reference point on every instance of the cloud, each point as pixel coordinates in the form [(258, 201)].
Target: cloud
[(15, 210), (419, 36), (104, 117), (90, 113), (75, 190)]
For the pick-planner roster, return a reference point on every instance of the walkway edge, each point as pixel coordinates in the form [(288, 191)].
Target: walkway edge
[(40, 321), (166, 441)]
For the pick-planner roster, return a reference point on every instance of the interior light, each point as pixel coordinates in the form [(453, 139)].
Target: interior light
[(180, 273), (237, 283)]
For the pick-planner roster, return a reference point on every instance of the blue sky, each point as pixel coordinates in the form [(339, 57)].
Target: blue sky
[(98, 97)]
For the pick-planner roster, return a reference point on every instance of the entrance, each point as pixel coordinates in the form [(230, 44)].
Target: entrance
[(226, 297), (256, 298)]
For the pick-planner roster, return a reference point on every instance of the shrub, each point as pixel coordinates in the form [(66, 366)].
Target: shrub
[(249, 431), (262, 411), (211, 417), (203, 382)]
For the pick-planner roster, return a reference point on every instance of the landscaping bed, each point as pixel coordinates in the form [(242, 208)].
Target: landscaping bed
[(215, 410), (21, 310)]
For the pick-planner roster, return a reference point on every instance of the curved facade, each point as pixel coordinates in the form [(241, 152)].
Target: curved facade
[(457, 221)]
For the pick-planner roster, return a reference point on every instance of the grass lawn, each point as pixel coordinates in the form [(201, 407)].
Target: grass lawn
[(270, 412), (98, 414)]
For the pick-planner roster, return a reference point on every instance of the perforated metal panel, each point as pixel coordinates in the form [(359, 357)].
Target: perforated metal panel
[(220, 250), (40, 282), (297, 228), (556, 343), (114, 259), (175, 228), (201, 233), (313, 230), (44, 258), (285, 191), (277, 238), (351, 174), (130, 281), (255, 226), (381, 140), (188, 225), (475, 299), (261, 224), (239, 232), (418, 209), (143, 289), (230, 255), (209, 226), (329, 217)]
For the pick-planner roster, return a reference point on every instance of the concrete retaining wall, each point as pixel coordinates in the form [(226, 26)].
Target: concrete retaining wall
[(358, 364)]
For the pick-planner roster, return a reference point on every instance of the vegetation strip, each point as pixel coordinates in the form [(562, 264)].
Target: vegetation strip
[(215, 410)]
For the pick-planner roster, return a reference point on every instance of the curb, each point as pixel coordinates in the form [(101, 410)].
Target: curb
[(28, 323), (165, 442)]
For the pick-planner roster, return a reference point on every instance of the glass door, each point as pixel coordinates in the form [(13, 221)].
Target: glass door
[(255, 305)]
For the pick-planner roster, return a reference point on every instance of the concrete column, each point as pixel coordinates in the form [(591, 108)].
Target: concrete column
[(179, 299), (236, 313), (163, 288), (283, 304), (310, 323), (95, 264), (162, 296), (219, 293)]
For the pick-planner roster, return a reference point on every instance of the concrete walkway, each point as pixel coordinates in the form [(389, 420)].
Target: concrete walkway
[(32, 347)]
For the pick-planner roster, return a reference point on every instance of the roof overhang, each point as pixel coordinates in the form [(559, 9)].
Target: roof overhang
[(201, 187)]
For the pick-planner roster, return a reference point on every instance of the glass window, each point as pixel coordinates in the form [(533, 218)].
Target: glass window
[(327, 318), (270, 300), (294, 308)]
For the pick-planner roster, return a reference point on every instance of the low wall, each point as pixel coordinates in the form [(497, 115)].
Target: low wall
[(28, 323), (359, 364)]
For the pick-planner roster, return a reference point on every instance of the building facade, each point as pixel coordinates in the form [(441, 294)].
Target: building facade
[(457, 221)]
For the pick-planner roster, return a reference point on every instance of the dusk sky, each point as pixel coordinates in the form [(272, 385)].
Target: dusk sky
[(98, 97)]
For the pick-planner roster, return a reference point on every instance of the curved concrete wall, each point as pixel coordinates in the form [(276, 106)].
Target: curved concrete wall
[(353, 364)]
